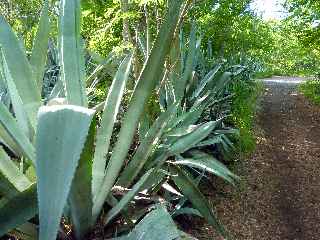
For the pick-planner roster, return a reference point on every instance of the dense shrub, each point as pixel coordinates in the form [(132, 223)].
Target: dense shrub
[(243, 109), (311, 89)]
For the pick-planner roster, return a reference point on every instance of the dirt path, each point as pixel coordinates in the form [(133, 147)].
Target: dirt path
[(281, 200)]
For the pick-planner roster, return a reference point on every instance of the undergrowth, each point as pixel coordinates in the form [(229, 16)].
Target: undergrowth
[(243, 111), (311, 89)]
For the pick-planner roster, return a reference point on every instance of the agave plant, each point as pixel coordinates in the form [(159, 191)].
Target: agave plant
[(56, 140), (184, 137), (56, 160), (198, 90)]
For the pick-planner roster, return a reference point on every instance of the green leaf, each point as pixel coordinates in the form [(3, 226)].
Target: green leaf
[(31, 173), (210, 141), (180, 85), (57, 90), (190, 140), (208, 78), (12, 179), (158, 177), (192, 116), (186, 211), (170, 94), (182, 131), (15, 134), (221, 83), (80, 197), (112, 201), (61, 135), (71, 57), (109, 116), (6, 139), (128, 197), (105, 67), (3, 85), (144, 125), (146, 147), (227, 143), (173, 73), (146, 83), (187, 186), (156, 225), (141, 44), (40, 47), (20, 70), (208, 163), (232, 131), (18, 210), (27, 231), (17, 104)]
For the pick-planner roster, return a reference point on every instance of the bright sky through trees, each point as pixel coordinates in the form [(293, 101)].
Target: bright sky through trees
[(269, 9)]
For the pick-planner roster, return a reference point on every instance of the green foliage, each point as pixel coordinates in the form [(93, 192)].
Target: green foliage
[(102, 25), (243, 110), (62, 130), (234, 31), (278, 47), (289, 55), (149, 77), (184, 89), (311, 89), (305, 14)]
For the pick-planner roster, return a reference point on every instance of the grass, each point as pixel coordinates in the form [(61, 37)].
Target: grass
[(243, 111), (311, 89), (271, 73), (265, 74)]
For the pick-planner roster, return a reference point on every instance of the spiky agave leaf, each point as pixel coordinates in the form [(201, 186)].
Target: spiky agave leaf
[(61, 135), (109, 116), (80, 196), (16, 210), (146, 147), (156, 225), (12, 180), (128, 197), (40, 47), (20, 70), (146, 82), (14, 135), (209, 164), (17, 103), (188, 187), (71, 55), (181, 83)]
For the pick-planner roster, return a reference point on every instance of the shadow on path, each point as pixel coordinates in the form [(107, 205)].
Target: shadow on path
[(287, 120)]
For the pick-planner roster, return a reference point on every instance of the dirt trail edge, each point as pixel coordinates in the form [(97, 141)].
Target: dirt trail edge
[(281, 198)]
